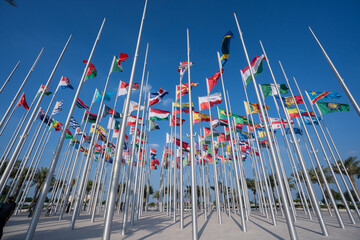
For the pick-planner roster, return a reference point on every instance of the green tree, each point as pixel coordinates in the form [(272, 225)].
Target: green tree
[(39, 180), (251, 185), (352, 167)]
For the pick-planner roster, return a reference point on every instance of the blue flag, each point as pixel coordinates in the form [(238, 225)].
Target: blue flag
[(99, 95)]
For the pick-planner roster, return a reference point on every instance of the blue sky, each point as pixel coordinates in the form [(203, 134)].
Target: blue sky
[(281, 25)]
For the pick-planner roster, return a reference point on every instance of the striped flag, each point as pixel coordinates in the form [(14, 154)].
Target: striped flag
[(73, 123), (80, 104), (57, 108)]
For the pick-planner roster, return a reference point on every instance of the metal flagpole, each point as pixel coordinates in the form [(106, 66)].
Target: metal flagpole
[(192, 151), (181, 159), (237, 174), (114, 181), (39, 205), (290, 223), (7, 80), (88, 160), (20, 89), (341, 81), (307, 178), (216, 183)]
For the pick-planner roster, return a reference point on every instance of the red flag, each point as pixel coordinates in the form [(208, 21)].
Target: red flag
[(23, 102), (175, 121), (212, 81)]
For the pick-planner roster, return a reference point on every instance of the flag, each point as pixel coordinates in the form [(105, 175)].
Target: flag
[(99, 95), (65, 83), (213, 99), (68, 135), (55, 124), (113, 124), (218, 122), (316, 96), (153, 125), (57, 108), (183, 67), (132, 120), (290, 100), (91, 71), (253, 107), (296, 130), (73, 123), (152, 151), (307, 120), (22, 101), (332, 107), (201, 117), (108, 110), (277, 122), (207, 132), (212, 81), (41, 116), (225, 47), (257, 68), (222, 113), (80, 104), (157, 114), (271, 90), (117, 62), (175, 121), (90, 117), (78, 131), (185, 107), (124, 87), (134, 106), (242, 120), (41, 90), (184, 89), (293, 112), (157, 97)]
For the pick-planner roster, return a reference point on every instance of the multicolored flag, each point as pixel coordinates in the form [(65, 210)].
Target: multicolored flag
[(65, 83), (81, 104), (113, 124), (56, 125), (225, 47), (135, 106), (218, 122), (157, 97), (326, 108), (57, 108), (117, 62), (41, 116), (213, 99), (157, 114), (290, 100), (68, 135), (277, 122), (271, 90), (212, 81), (185, 107), (91, 71), (316, 96), (99, 95), (22, 101), (153, 125), (293, 112), (42, 89), (183, 67), (253, 107), (152, 151), (124, 87), (175, 121), (132, 120), (108, 110), (184, 89), (90, 117), (257, 68)]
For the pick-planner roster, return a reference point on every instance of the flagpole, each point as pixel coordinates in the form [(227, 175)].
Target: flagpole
[(20, 89), (307, 178), (192, 147), (291, 227), (216, 183), (7, 80), (39, 205), (181, 158), (341, 81)]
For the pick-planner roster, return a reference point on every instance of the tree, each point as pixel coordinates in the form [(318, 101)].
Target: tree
[(156, 195), (251, 185), (352, 167), (39, 180)]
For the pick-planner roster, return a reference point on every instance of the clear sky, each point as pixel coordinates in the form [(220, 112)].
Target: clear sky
[(281, 25)]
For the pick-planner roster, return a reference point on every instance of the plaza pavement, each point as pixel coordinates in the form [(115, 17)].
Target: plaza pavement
[(157, 225)]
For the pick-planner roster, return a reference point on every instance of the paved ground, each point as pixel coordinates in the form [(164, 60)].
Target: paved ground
[(156, 225)]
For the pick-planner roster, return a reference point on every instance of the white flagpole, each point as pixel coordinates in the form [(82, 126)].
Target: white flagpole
[(181, 159), (7, 80), (290, 223), (114, 181), (41, 200), (192, 155), (20, 89), (341, 81)]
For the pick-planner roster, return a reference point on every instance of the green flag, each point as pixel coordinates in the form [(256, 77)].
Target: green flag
[(332, 107), (271, 90)]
